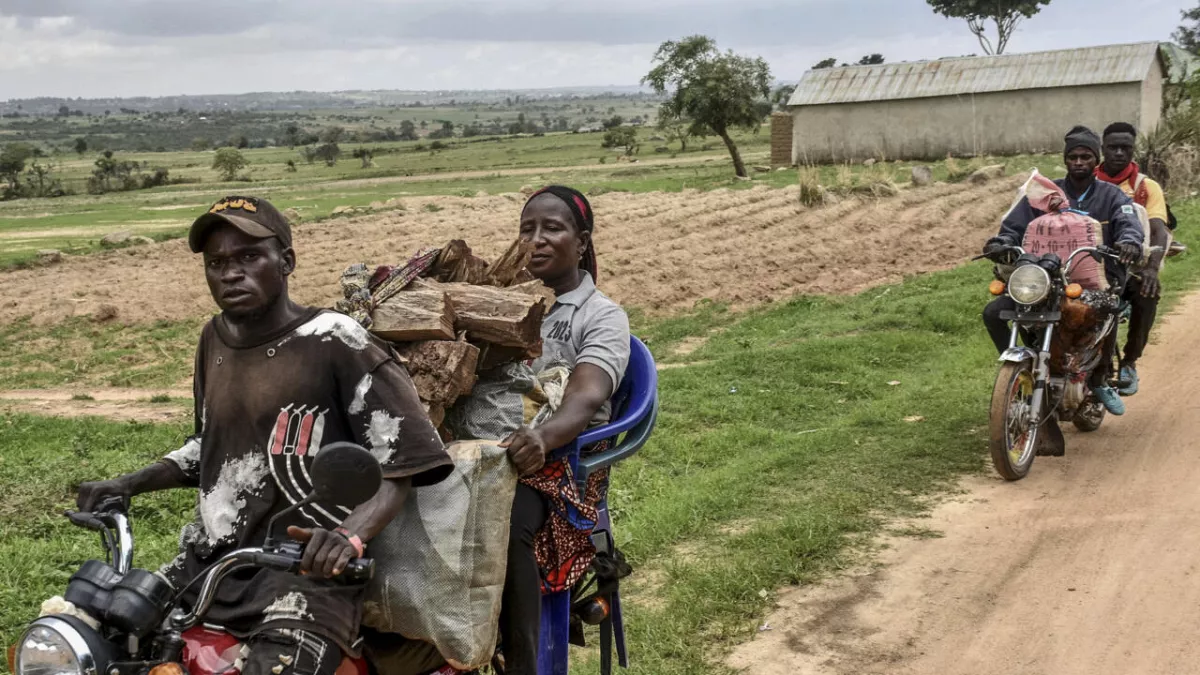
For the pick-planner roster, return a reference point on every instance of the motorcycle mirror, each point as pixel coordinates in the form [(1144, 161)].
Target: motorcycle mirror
[(345, 474)]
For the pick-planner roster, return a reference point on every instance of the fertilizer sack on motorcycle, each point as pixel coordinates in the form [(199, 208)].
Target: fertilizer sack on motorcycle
[(440, 565), (1062, 231)]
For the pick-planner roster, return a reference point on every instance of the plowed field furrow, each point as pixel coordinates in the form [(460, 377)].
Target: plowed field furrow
[(661, 251)]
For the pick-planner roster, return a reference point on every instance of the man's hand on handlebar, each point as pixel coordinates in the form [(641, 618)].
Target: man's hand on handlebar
[(92, 493), (1128, 253), (326, 553), (998, 252)]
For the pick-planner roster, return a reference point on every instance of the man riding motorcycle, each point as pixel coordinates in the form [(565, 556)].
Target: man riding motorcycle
[(274, 383), (1143, 291), (1102, 201)]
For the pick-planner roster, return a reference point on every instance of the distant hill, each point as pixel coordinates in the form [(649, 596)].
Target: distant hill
[(309, 100)]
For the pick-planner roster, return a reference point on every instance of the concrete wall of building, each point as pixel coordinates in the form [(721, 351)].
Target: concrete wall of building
[(1000, 123), (1152, 99)]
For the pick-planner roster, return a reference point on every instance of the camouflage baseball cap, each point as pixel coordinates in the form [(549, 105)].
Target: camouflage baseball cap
[(253, 216)]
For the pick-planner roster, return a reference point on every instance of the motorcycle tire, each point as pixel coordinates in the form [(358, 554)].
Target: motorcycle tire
[(1014, 382), (1089, 417)]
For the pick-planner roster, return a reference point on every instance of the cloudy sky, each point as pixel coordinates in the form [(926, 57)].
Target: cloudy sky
[(97, 48)]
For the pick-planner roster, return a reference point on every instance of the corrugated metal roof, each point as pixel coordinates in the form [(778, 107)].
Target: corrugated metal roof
[(976, 75)]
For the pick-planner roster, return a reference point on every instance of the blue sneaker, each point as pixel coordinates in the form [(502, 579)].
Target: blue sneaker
[(1110, 399), (1129, 381)]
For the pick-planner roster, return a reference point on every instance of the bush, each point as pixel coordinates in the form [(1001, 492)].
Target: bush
[(621, 137), (161, 176), (1170, 153), (228, 162), (329, 153)]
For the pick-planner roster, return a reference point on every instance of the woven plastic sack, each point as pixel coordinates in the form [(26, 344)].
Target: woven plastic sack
[(495, 407), (440, 565)]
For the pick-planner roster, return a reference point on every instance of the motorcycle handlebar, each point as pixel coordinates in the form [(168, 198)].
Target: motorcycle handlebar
[(358, 570), (86, 520), (1004, 249)]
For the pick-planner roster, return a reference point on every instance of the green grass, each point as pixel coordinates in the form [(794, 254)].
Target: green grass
[(75, 224), (782, 449), (81, 352)]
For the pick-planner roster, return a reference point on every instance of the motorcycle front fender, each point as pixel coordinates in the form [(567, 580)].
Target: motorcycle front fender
[(1018, 355)]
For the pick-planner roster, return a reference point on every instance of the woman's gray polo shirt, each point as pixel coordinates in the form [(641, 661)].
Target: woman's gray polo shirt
[(586, 326)]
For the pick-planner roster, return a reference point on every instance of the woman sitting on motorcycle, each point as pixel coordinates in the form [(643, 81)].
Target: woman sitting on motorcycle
[(588, 333)]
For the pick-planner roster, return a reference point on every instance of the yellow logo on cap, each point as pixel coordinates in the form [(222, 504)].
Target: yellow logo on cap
[(243, 204)]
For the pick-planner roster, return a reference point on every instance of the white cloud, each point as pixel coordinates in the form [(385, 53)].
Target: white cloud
[(96, 48)]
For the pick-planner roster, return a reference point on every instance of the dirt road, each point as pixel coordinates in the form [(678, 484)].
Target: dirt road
[(1089, 566)]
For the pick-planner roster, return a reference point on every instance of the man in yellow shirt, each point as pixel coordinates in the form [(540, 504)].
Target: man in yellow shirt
[(1141, 292)]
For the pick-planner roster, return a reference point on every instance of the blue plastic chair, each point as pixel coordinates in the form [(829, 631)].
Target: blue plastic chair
[(634, 410)]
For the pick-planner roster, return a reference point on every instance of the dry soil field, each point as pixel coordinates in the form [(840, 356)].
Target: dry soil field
[(661, 252)]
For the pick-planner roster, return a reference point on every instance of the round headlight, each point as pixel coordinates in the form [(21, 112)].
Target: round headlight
[(1029, 284), (51, 646)]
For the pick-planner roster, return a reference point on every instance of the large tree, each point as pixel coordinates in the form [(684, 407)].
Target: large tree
[(718, 91), (1188, 35), (1006, 14), (825, 63)]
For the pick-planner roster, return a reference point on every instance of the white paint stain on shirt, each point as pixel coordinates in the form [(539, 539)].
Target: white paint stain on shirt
[(290, 607), (187, 458), (359, 403), (330, 325), (382, 433), (221, 507)]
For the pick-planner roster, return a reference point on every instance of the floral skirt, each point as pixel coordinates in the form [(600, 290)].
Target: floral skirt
[(563, 546)]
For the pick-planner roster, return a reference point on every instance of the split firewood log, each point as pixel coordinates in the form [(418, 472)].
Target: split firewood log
[(500, 316), (415, 315), (442, 370)]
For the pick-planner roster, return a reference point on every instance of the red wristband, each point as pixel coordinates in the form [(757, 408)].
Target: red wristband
[(354, 540)]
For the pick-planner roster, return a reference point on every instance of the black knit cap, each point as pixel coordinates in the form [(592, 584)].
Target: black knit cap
[(1082, 137), (253, 216), (581, 209)]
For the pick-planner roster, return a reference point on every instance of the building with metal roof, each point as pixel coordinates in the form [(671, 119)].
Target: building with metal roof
[(1007, 104)]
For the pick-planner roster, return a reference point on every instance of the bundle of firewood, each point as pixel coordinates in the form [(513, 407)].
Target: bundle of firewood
[(450, 314)]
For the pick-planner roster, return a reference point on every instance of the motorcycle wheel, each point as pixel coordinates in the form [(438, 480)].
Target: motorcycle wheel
[(1090, 416), (1011, 440)]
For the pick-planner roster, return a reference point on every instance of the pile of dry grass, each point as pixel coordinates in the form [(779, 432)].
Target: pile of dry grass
[(811, 193), (958, 171)]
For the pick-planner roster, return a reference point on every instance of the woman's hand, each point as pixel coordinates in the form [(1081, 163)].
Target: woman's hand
[(527, 450)]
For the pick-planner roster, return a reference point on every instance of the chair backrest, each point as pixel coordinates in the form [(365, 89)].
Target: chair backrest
[(639, 386), (636, 398)]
